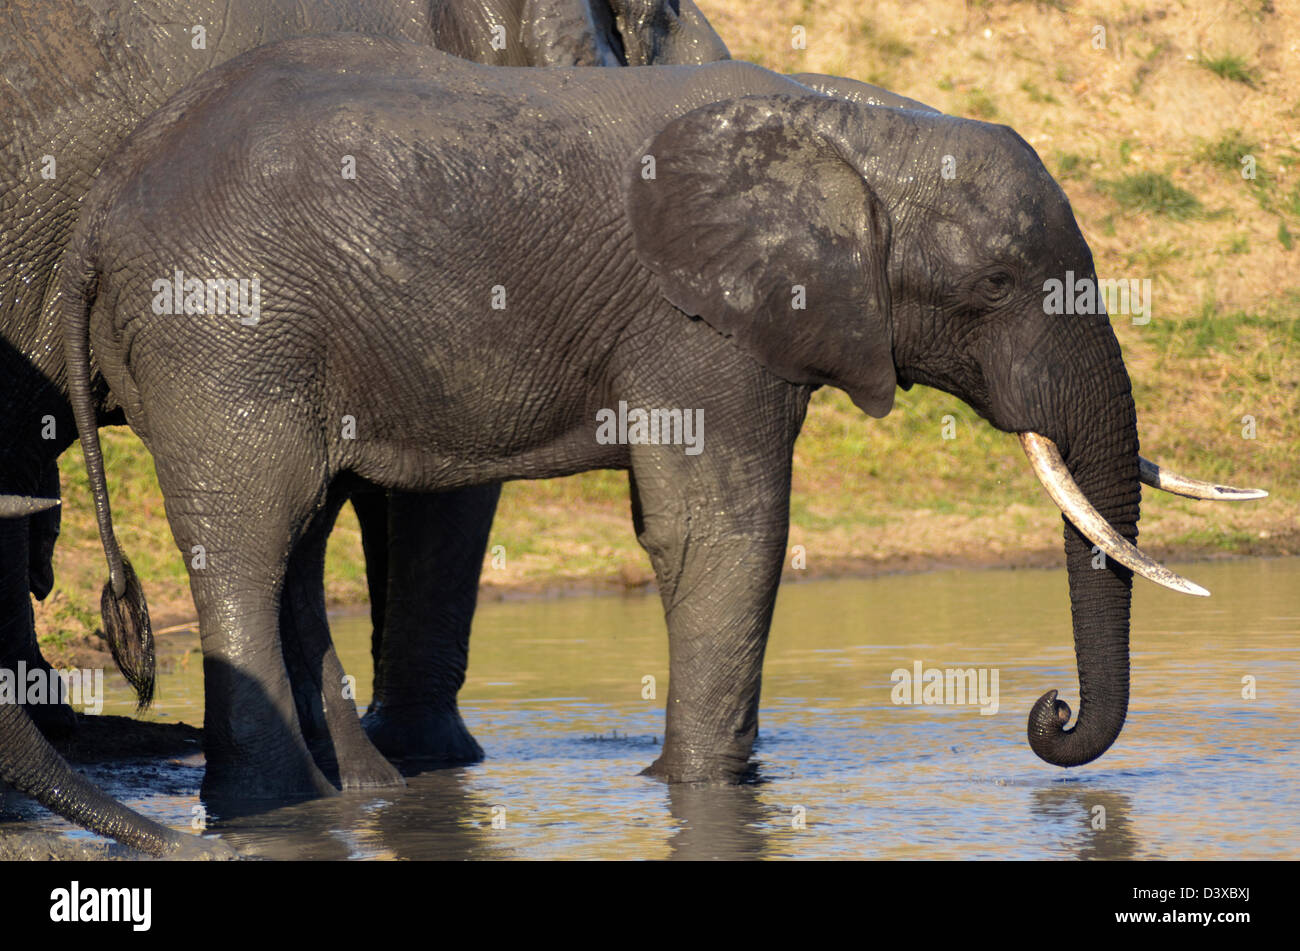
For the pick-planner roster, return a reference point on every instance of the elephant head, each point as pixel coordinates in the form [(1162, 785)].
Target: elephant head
[(868, 248)]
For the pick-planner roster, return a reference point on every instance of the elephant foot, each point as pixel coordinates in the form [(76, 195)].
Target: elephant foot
[(229, 784), (730, 770), (361, 766), (421, 735), (351, 761), (378, 773)]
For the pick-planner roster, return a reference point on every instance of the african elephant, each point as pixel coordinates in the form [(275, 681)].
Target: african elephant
[(77, 76), (424, 555), (441, 321), (31, 765)]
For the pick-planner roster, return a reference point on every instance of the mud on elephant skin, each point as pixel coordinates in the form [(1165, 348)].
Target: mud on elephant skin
[(677, 293)]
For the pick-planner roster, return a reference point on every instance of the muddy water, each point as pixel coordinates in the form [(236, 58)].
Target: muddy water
[(555, 696)]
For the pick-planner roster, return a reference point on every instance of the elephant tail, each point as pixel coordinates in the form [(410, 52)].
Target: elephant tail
[(122, 605)]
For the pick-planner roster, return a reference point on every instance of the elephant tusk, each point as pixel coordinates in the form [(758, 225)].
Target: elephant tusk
[(12, 506), (1069, 498), (1167, 481)]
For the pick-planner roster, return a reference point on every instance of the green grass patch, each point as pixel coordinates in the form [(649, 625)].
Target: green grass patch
[(1290, 203), (1153, 257), (1068, 164), (888, 46), (1213, 333), (65, 622), (1228, 150), (1154, 192), (1231, 67), (979, 105), (1037, 95), (1215, 538)]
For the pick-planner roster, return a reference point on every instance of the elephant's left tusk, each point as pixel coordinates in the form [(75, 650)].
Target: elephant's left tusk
[(1069, 498), (1167, 481), (12, 506)]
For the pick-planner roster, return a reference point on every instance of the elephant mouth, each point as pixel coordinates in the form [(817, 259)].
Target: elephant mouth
[(1049, 466)]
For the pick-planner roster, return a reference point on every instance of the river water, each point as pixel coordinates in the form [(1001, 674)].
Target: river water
[(557, 695)]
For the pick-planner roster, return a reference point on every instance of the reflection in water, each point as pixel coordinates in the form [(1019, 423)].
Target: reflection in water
[(1097, 824), (554, 695), (718, 822), (438, 816)]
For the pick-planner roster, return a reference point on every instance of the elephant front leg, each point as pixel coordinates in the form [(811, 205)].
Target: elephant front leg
[(718, 564), (435, 548)]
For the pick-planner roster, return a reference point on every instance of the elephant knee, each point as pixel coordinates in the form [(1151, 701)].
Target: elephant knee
[(664, 539)]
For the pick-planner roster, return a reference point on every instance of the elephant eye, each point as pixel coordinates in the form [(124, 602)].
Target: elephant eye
[(995, 287)]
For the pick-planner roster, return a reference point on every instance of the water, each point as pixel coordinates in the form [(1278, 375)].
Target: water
[(554, 696)]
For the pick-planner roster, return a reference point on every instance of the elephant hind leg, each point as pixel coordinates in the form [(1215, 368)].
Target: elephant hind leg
[(325, 696), (236, 525)]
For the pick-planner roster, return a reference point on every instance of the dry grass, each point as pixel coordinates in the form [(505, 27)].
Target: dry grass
[(1146, 137)]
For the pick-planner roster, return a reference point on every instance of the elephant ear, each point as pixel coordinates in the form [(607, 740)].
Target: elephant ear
[(753, 220)]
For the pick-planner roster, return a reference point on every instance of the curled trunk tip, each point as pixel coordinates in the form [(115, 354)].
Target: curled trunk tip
[(1053, 743)]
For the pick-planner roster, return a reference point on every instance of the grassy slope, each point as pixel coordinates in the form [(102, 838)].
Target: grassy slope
[(1146, 138)]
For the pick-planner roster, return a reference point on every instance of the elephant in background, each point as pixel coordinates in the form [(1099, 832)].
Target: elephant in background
[(32, 766), (576, 32), (677, 292), (77, 76)]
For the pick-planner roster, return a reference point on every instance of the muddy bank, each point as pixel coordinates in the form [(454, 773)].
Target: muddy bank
[(98, 739), (47, 847)]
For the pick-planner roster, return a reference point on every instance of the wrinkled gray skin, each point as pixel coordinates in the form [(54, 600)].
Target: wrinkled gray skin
[(676, 291), (31, 765), (75, 77)]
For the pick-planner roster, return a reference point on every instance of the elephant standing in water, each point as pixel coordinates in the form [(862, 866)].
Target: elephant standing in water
[(75, 77), (444, 303), (31, 765)]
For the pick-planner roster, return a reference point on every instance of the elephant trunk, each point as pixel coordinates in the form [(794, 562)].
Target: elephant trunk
[(1102, 459), (33, 766)]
